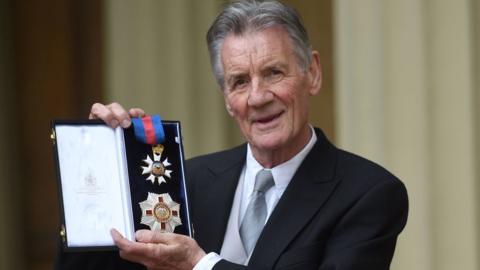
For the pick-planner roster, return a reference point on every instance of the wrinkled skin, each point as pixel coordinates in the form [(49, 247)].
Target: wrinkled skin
[(267, 93)]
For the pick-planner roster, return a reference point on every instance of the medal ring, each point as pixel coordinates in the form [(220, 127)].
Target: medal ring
[(162, 212)]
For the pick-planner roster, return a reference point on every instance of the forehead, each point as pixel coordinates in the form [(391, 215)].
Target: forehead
[(256, 45)]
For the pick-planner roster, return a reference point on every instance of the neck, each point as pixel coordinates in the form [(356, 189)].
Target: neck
[(272, 158)]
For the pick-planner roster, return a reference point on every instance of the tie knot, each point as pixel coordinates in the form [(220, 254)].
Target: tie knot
[(263, 181)]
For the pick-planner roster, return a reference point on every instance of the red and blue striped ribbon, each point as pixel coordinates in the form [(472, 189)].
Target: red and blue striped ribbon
[(149, 129)]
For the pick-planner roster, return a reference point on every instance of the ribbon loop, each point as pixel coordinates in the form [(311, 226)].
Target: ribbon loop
[(149, 129)]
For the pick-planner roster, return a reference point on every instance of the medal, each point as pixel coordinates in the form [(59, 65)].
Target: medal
[(149, 130), (160, 212), (156, 168)]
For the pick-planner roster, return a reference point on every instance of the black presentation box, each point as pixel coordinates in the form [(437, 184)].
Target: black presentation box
[(108, 179)]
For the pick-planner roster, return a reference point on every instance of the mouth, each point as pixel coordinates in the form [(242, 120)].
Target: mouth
[(265, 120)]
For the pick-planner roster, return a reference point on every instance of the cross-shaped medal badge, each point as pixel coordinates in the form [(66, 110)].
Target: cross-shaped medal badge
[(156, 168)]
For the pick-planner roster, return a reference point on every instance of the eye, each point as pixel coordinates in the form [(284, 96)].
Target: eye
[(274, 74), (239, 83)]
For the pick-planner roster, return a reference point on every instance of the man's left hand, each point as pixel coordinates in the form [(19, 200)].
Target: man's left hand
[(158, 250)]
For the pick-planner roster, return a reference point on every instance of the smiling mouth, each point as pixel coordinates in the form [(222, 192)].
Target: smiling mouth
[(268, 119)]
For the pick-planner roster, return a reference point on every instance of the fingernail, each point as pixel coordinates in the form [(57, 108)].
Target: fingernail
[(114, 123), (113, 233), (125, 123)]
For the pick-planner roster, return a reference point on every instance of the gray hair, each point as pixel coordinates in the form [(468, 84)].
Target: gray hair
[(240, 17)]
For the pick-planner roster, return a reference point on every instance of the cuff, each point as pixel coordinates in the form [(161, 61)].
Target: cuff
[(208, 261)]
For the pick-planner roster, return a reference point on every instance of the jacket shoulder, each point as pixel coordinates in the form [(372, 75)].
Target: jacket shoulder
[(362, 174), (217, 161)]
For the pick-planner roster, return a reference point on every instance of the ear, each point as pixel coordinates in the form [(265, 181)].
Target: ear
[(228, 107), (315, 74)]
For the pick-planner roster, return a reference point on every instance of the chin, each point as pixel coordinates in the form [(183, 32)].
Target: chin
[(268, 142)]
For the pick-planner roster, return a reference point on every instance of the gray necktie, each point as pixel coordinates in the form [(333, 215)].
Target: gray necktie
[(256, 213)]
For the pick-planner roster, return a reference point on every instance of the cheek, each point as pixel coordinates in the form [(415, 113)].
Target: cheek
[(237, 104), (295, 100), (287, 95), (296, 92)]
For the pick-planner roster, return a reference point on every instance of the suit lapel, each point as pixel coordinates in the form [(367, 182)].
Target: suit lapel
[(217, 197), (310, 187)]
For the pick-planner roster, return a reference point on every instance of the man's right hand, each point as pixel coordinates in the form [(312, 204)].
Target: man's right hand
[(114, 114)]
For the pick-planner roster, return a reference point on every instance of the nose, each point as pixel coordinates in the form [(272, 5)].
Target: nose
[(259, 94)]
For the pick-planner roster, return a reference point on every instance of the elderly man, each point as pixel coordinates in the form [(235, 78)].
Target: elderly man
[(288, 198)]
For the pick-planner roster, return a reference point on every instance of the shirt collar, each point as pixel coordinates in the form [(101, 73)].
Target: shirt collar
[(282, 173)]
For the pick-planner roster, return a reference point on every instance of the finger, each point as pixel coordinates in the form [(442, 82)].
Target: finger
[(94, 110), (147, 236), (132, 251), (116, 235), (100, 111), (144, 236), (128, 246), (136, 112), (120, 114)]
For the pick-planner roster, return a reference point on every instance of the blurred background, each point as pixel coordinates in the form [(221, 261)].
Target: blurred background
[(401, 87)]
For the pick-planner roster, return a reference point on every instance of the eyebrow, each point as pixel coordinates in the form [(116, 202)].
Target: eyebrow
[(274, 64)]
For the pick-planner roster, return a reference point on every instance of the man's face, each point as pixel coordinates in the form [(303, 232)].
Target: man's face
[(266, 90)]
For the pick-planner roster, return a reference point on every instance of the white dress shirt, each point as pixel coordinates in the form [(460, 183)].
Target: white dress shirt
[(232, 248)]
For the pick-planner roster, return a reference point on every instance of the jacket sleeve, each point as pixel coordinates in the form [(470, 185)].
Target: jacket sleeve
[(226, 265), (366, 235)]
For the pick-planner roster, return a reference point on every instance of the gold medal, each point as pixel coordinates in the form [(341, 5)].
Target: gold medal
[(160, 212), (156, 168)]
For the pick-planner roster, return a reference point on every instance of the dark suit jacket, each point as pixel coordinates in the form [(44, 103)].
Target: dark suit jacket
[(339, 212)]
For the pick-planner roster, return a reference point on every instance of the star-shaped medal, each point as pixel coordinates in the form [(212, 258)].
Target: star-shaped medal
[(160, 212)]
